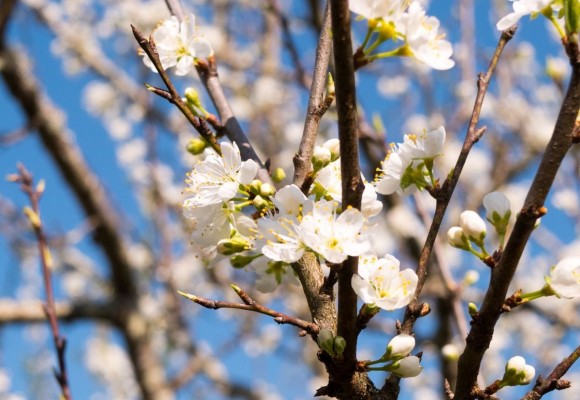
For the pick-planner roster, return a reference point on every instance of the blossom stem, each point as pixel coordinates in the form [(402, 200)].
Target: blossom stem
[(383, 368), (367, 37), (240, 206), (391, 53), (374, 362), (535, 295), (373, 46), (554, 22), (481, 255), (501, 237)]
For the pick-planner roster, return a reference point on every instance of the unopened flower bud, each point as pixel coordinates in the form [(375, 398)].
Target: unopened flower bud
[(498, 212), (41, 186), (267, 190), (333, 145), (563, 279), (457, 238), (196, 146), (472, 309), (400, 346), (278, 175), (192, 96), (529, 373), (227, 247), (471, 277), (557, 68), (320, 158), (450, 352), (473, 226), (240, 261), (408, 367), (260, 203), (255, 186), (517, 372)]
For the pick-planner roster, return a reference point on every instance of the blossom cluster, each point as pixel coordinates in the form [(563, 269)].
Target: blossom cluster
[(409, 165), (398, 20), (517, 372), (564, 278), (472, 228), (235, 215), (397, 358)]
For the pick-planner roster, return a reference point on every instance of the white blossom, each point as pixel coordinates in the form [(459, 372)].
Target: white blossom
[(334, 236), (416, 153), (392, 168), (425, 146), (564, 279), (370, 206), (380, 282), (388, 10), (282, 237), (179, 44), (217, 179), (328, 180), (521, 9), (281, 234), (423, 39)]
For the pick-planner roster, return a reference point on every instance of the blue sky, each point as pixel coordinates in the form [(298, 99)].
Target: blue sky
[(61, 212)]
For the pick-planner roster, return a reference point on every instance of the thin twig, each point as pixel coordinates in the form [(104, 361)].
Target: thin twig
[(301, 76), (445, 193), (24, 178), (252, 305), (450, 285), (316, 105), (553, 381)]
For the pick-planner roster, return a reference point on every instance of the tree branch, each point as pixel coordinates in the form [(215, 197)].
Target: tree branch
[(251, 305), (57, 140), (30, 311), (553, 382), (316, 105), (352, 185), (24, 178)]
